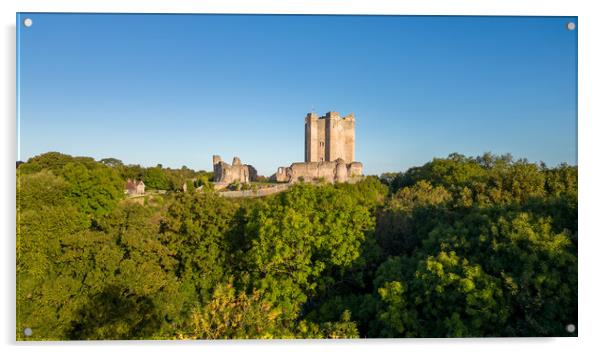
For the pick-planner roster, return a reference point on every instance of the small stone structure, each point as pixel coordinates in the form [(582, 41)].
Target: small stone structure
[(134, 188), (237, 172), (329, 151)]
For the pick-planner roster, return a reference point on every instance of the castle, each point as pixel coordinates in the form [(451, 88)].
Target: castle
[(237, 172), (329, 155), (329, 151)]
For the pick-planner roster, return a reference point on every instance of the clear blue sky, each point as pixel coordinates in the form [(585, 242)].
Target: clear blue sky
[(176, 89)]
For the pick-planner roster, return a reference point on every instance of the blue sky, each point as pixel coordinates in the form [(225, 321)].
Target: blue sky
[(176, 89)]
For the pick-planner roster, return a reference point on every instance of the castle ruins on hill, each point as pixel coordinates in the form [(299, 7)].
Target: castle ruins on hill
[(329, 155), (237, 172), (329, 151)]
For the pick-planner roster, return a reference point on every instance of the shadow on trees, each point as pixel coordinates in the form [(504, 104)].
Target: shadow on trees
[(115, 314)]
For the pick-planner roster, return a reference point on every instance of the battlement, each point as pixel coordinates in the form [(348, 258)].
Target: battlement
[(333, 115), (312, 116)]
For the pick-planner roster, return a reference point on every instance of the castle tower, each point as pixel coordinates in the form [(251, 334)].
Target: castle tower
[(329, 138)]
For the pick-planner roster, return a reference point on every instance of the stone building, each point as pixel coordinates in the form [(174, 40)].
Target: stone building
[(134, 188), (330, 137), (329, 151), (237, 172)]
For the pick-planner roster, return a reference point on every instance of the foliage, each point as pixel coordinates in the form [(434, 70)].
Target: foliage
[(156, 178), (196, 227), (459, 247), (293, 251), (448, 296), (229, 315), (96, 190), (491, 252), (111, 162), (234, 186), (409, 211), (92, 186)]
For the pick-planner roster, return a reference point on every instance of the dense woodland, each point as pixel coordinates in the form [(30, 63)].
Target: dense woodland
[(458, 247)]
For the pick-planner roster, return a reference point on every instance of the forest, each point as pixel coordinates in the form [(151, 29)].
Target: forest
[(461, 246)]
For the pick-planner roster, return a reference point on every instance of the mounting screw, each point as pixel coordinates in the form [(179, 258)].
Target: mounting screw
[(570, 328), (27, 22), (571, 26)]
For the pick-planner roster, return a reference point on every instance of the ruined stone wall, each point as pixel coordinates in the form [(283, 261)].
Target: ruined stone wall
[(329, 171), (355, 169), (256, 193), (237, 172)]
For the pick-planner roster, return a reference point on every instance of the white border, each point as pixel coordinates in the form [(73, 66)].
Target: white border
[(590, 115)]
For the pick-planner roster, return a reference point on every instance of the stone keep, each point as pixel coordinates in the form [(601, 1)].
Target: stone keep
[(237, 172), (329, 151), (329, 138)]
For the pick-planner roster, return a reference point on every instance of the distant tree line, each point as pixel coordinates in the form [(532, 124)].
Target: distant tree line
[(158, 177), (458, 247)]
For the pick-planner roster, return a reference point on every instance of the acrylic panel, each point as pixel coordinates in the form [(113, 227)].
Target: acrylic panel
[(197, 176)]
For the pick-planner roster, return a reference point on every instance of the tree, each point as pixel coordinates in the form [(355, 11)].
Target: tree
[(232, 315), (408, 210), (96, 190), (53, 161), (131, 285), (92, 186), (111, 162), (155, 178), (196, 226), (237, 315), (457, 298), (293, 248), (461, 246), (113, 279)]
